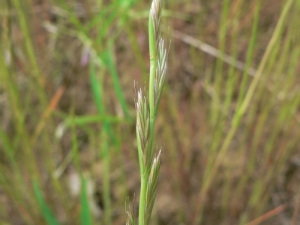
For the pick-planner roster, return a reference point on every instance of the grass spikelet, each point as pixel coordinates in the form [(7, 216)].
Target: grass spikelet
[(131, 220), (152, 184)]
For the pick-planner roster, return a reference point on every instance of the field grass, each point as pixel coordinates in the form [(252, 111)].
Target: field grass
[(228, 121)]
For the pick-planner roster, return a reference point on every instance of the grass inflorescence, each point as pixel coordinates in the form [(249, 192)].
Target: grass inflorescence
[(147, 107)]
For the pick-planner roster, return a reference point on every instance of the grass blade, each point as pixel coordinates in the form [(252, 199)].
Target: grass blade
[(46, 211), (85, 215)]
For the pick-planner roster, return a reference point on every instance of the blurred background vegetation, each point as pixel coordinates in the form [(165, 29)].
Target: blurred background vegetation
[(229, 120)]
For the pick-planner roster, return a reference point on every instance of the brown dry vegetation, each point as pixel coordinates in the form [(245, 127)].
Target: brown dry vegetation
[(266, 138)]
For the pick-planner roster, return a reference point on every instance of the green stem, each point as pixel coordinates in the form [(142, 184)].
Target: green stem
[(244, 105), (36, 74), (153, 59), (142, 199), (145, 164)]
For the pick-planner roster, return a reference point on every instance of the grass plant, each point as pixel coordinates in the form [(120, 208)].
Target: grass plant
[(149, 158), (229, 118)]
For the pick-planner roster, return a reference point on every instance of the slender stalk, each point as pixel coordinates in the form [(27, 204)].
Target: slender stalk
[(142, 206), (152, 51), (36, 74), (149, 159), (106, 137), (244, 105)]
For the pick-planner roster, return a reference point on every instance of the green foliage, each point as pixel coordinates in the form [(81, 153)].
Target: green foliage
[(45, 209), (85, 215), (228, 120)]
